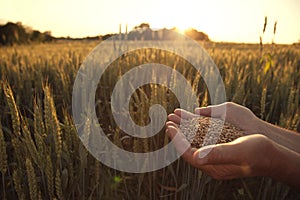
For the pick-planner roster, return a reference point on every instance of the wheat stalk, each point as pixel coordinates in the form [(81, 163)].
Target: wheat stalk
[(39, 131), (17, 179), (19, 152), (30, 145), (3, 159), (49, 176), (31, 177), (57, 62), (52, 123), (67, 131), (263, 103), (265, 24), (137, 148), (13, 108), (58, 188)]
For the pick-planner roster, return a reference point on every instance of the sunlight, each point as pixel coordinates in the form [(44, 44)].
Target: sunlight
[(230, 20), (180, 30)]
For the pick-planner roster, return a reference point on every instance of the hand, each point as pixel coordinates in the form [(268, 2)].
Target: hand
[(235, 114), (244, 119), (274, 153), (247, 156)]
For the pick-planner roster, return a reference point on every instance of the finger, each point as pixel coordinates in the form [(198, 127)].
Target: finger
[(204, 111), (171, 131), (174, 118), (171, 123), (216, 111), (185, 114), (182, 146), (226, 172), (227, 153)]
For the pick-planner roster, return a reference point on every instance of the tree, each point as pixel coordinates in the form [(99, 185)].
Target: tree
[(196, 35), (13, 34), (142, 26), (16, 33)]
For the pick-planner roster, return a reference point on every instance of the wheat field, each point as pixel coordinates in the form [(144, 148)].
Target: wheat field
[(43, 158)]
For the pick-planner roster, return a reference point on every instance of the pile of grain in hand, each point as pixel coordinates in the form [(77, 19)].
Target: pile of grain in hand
[(196, 131)]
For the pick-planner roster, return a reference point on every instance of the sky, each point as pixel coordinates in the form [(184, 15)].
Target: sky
[(222, 20)]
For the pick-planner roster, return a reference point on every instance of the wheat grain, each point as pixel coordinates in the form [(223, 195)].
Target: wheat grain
[(204, 131)]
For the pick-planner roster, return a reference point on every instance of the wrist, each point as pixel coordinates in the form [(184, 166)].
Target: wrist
[(269, 163), (285, 167), (260, 126), (276, 168)]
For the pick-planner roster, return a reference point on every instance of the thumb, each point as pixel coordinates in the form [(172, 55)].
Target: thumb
[(215, 111), (227, 153)]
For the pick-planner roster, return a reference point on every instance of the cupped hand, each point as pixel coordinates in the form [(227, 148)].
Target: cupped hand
[(235, 114), (247, 156)]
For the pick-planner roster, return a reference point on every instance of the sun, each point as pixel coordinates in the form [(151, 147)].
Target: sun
[(181, 24), (172, 20), (180, 30)]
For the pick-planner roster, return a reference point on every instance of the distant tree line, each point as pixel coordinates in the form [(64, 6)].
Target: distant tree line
[(144, 32), (16, 33)]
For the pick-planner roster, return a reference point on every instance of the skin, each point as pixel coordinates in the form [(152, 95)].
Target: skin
[(265, 150)]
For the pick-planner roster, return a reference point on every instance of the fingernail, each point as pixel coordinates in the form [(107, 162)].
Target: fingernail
[(205, 150)]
